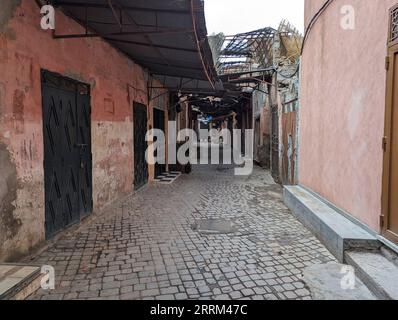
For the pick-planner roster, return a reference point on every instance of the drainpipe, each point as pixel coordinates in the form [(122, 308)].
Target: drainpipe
[(297, 167)]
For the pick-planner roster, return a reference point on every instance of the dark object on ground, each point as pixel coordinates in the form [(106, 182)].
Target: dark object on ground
[(187, 168)]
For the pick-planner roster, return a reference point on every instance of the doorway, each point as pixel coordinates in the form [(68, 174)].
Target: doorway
[(67, 152), (159, 123), (140, 145), (257, 139), (390, 179), (275, 143)]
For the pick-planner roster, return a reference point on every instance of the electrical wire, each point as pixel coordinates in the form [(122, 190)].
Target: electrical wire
[(313, 21)]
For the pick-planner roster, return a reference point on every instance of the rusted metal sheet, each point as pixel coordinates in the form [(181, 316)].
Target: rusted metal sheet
[(289, 149)]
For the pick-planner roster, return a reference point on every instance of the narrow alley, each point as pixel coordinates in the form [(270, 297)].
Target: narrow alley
[(152, 245), (110, 111)]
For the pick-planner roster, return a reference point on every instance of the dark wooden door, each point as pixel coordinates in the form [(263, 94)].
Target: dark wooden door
[(140, 145), (67, 152), (159, 123)]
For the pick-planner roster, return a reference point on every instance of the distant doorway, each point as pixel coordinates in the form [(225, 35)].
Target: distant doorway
[(159, 123), (140, 145)]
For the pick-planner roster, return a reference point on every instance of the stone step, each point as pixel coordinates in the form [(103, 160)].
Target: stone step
[(326, 282), (390, 255), (334, 230), (17, 282), (378, 273)]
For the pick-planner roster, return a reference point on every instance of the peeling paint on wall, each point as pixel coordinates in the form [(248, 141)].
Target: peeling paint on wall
[(2, 98), (7, 12), (9, 224)]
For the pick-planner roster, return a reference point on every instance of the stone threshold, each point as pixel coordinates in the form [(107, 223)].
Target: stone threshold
[(17, 281), (167, 177)]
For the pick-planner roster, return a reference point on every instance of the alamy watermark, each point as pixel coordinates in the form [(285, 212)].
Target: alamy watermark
[(348, 19), (226, 143), (48, 279), (348, 280), (48, 17)]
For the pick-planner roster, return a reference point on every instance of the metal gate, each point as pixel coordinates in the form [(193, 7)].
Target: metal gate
[(289, 149), (159, 123), (140, 145), (67, 152)]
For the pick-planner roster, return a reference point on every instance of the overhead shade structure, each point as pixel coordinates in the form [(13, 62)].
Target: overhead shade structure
[(168, 37)]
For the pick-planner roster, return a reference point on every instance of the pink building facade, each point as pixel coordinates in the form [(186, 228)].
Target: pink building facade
[(343, 102)]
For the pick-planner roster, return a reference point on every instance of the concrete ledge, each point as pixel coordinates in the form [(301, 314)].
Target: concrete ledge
[(335, 231)]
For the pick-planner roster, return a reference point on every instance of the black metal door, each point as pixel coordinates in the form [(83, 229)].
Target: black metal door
[(140, 145), (158, 123), (67, 152)]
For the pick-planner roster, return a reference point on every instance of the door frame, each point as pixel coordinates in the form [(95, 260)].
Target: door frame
[(387, 141)]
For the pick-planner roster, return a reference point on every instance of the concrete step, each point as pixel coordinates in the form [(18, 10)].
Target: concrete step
[(17, 282), (326, 282), (390, 255), (376, 271), (333, 229)]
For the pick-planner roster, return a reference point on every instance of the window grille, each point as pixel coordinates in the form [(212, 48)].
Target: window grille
[(394, 24)]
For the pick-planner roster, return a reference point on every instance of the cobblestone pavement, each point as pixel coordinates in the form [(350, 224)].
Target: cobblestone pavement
[(150, 247)]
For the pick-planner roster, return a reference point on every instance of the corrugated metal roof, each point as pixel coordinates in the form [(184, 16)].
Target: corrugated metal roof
[(168, 37)]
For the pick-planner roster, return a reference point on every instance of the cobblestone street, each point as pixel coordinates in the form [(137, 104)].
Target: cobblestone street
[(152, 246)]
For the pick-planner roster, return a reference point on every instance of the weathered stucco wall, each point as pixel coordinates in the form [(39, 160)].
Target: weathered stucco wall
[(115, 82), (342, 107)]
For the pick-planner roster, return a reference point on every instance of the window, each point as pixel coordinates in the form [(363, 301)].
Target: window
[(394, 24)]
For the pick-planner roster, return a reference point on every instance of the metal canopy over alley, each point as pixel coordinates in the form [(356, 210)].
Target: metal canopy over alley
[(169, 38)]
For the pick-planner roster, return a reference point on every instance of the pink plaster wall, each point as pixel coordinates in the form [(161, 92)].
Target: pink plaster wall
[(115, 82), (342, 107)]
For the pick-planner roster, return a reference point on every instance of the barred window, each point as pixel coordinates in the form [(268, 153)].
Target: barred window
[(394, 24)]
